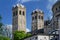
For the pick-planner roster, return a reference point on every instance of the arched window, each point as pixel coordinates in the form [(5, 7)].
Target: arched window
[(20, 12), (32, 18), (56, 9), (13, 13), (16, 12), (39, 17), (35, 17), (42, 17), (59, 7), (23, 13), (35, 11)]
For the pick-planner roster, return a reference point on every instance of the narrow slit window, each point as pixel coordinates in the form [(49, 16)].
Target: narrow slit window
[(20, 12), (16, 12), (42, 17), (39, 17), (13, 13), (23, 13)]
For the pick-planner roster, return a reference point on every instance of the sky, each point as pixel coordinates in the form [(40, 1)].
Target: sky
[(44, 5)]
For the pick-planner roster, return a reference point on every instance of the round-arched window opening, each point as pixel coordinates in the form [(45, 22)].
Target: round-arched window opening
[(39, 17), (56, 9), (32, 18), (20, 12), (23, 13), (59, 7)]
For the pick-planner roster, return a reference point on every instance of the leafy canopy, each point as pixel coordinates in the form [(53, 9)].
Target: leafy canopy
[(4, 38), (18, 35), (0, 25)]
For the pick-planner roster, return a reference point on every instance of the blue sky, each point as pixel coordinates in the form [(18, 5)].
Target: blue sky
[(6, 9)]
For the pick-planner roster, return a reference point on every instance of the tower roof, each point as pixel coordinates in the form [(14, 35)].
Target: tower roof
[(58, 2), (18, 5), (37, 11)]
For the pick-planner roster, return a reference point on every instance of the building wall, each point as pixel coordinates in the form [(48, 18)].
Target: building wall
[(59, 27), (40, 21), (22, 20), (31, 38), (19, 18), (55, 8), (39, 37), (37, 20), (43, 37), (47, 30), (56, 14), (59, 35)]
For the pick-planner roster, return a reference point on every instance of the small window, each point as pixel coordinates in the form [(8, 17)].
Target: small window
[(20, 12), (30, 39), (59, 7), (32, 18), (16, 12), (23, 13), (35, 37), (56, 9), (13, 13), (35, 17), (39, 17), (35, 11), (42, 17)]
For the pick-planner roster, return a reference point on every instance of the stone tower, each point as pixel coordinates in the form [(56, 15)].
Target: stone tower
[(56, 14), (19, 18), (37, 20)]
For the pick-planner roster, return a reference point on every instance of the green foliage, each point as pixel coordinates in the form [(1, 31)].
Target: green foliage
[(28, 34), (4, 38), (20, 35), (0, 21), (0, 17), (0, 25)]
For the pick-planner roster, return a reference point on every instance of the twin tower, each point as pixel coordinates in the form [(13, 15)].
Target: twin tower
[(19, 18)]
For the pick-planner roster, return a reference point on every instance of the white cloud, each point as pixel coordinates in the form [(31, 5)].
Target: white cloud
[(49, 5), (22, 1), (27, 30)]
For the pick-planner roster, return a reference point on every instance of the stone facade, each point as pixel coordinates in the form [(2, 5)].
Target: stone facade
[(55, 21), (19, 18), (48, 26), (42, 37), (37, 20), (56, 15)]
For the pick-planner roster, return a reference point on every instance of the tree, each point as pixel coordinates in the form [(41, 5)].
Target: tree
[(4, 38), (0, 21), (28, 34), (20, 35), (0, 25)]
